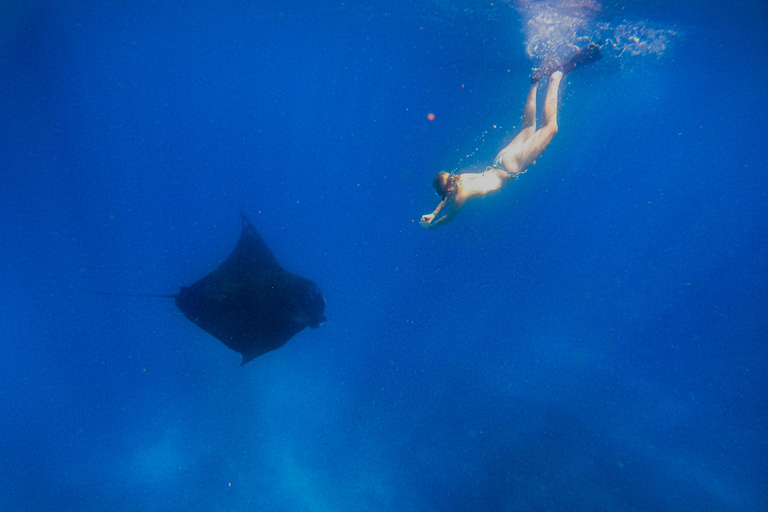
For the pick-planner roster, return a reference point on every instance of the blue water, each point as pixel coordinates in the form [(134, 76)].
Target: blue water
[(592, 338)]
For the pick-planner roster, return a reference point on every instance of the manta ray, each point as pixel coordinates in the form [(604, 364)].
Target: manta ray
[(250, 303)]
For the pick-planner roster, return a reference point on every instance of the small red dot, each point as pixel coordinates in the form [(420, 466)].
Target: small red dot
[(431, 116)]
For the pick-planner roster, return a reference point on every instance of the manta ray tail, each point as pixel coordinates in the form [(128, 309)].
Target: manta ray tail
[(110, 294)]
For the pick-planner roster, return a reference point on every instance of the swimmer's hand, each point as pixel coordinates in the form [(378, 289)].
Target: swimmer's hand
[(426, 220)]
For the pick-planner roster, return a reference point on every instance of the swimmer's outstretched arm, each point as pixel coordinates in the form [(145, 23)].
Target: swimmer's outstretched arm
[(427, 220)]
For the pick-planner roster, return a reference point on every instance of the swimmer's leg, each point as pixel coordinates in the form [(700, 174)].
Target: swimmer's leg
[(529, 112), (550, 102), (529, 125), (538, 142)]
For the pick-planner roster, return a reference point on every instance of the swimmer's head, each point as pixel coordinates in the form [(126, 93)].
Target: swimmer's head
[(445, 184)]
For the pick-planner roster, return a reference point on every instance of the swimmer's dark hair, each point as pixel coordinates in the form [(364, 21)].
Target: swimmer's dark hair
[(446, 184)]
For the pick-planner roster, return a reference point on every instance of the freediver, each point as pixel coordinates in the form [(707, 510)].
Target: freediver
[(518, 155)]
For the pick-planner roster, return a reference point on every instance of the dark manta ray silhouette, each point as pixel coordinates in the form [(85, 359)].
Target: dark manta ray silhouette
[(250, 303)]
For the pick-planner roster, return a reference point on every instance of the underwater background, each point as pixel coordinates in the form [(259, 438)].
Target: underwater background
[(592, 338)]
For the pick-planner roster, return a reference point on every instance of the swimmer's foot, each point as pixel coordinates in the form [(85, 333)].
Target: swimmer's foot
[(582, 57), (585, 55), (544, 70)]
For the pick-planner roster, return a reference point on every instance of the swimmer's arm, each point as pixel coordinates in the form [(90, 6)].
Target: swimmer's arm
[(455, 207), (427, 219)]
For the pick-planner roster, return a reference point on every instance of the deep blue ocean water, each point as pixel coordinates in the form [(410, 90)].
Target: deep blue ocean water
[(592, 338)]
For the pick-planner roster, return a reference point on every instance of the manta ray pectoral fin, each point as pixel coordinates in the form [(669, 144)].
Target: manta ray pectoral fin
[(249, 302)]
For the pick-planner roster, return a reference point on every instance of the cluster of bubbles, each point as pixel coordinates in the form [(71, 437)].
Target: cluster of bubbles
[(637, 38), (470, 157), (554, 28)]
